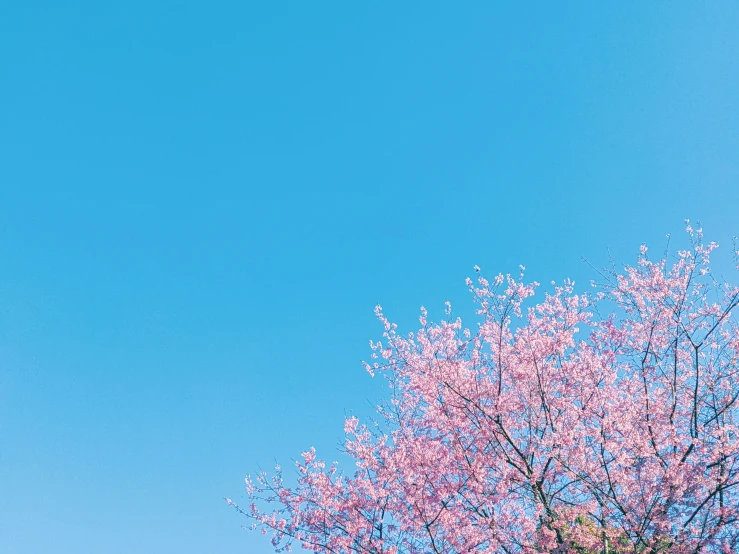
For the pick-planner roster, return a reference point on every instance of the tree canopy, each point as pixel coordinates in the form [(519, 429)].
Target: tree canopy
[(559, 422)]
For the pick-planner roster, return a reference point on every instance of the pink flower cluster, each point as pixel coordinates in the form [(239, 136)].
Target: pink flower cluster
[(596, 423)]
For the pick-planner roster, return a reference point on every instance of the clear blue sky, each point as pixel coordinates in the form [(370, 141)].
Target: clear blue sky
[(201, 203)]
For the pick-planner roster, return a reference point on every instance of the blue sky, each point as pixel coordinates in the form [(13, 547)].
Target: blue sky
[(201, 203)]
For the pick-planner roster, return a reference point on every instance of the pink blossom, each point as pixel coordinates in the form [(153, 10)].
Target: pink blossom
[(572, 423)]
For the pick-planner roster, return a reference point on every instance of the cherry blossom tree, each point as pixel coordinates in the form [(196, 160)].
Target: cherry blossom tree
[(594, 423)]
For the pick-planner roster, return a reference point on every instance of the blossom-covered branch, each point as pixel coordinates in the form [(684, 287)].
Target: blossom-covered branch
[(547, 427)]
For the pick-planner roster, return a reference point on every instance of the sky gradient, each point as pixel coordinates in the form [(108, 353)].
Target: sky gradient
[(201, 204)]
